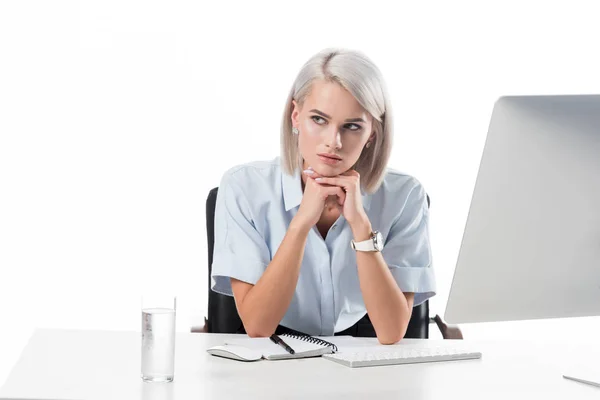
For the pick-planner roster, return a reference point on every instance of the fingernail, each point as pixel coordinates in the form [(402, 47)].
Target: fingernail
[(318, 179), (308, 171), (310, 168)]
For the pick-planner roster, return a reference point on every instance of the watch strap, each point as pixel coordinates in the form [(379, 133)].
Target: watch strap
[(365, 245)]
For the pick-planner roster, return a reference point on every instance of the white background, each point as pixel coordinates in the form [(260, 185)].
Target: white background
[(118, 117)]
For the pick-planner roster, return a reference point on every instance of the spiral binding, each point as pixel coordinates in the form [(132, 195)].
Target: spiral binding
[(307, 338)]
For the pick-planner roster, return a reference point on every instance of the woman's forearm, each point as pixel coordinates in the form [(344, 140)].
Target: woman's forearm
[(388, 308), (265, 304)]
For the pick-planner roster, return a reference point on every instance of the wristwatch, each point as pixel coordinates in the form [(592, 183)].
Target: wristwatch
[(375, 243)]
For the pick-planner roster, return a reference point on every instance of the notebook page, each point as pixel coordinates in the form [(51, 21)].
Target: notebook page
[(271, 350)]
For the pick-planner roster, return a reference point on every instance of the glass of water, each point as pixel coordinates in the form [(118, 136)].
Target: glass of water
[(158, 338)]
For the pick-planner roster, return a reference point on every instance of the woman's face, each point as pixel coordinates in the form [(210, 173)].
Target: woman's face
[(334, 128)]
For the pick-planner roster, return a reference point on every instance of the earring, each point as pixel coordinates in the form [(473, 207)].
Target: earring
[(295, 131), (368, 145)]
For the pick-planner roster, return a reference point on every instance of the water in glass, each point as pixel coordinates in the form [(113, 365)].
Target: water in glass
[(158, 344)]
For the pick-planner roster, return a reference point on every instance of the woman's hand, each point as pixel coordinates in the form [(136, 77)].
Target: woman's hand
[(352, 207), (314, 198)]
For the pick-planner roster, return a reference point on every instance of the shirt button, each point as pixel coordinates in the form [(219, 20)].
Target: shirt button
[(333, 227)]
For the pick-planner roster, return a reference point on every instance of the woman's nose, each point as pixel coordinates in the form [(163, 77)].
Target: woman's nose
[(334, 139)]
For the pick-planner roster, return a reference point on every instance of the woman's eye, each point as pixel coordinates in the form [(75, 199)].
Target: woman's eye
[(353, 127), (315, 117)]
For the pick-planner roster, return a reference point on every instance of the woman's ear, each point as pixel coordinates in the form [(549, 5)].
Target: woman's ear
[(372, 137), (295, 113)]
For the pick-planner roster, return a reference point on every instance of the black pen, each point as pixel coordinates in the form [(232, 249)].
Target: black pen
[(277, 340)]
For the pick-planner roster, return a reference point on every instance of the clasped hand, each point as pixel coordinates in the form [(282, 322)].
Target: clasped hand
[(343, 190)]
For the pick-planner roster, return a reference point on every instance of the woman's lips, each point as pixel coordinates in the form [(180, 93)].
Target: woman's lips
[(329, 160)]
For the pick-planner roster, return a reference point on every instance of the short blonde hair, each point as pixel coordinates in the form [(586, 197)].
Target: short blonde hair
[(356, 73)]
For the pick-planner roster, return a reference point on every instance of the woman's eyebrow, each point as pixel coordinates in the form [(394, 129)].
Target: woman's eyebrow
[(327, 116)]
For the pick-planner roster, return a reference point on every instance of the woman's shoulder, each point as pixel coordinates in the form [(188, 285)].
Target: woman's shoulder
[(397, 183), (400, 194), (253, 172), (253, 176)]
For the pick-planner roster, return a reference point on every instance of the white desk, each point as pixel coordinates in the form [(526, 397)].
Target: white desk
[(72, 364)]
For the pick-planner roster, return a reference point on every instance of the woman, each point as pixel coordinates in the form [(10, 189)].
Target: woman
[(325, 236)]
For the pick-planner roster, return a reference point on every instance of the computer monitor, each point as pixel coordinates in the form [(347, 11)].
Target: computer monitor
[(531, 243)]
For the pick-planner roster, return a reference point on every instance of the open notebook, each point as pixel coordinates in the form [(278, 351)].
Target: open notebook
[(252, 349)]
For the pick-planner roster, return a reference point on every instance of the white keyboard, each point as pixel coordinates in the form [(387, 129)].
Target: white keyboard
[(355, 359)]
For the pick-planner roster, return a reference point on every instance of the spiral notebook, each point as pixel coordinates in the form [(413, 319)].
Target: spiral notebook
[(304, 346)]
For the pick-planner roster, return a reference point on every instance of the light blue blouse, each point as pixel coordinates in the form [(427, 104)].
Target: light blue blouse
[(257, 201)]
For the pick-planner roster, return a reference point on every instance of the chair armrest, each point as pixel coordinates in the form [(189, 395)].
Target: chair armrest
[(200, 328), (448, 331)]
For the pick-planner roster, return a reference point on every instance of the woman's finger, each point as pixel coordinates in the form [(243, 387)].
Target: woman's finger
[(341, 196), (311, 173), (333, 181), (335, 191)]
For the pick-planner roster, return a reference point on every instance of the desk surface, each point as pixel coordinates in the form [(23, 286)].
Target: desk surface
[(79, 364)]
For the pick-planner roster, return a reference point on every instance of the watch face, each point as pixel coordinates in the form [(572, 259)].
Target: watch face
[(378, 241)]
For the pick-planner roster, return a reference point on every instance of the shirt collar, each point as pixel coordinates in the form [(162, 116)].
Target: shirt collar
[(292, 191)]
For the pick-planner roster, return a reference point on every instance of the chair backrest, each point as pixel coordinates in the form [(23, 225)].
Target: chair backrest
[(222, 312)]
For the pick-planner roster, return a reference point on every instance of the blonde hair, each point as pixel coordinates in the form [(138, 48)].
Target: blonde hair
[(360, 76)]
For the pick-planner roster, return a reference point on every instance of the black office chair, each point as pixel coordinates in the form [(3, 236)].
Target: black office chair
[(223, 316)]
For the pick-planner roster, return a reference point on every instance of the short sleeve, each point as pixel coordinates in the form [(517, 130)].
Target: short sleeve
[(240, 251), (407, 249)]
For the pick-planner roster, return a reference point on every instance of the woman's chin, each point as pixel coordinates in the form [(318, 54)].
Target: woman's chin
[(325, 169), (329, 171)]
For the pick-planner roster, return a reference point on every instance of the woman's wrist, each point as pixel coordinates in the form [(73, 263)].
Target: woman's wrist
[(299, 225), (361, 229)]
